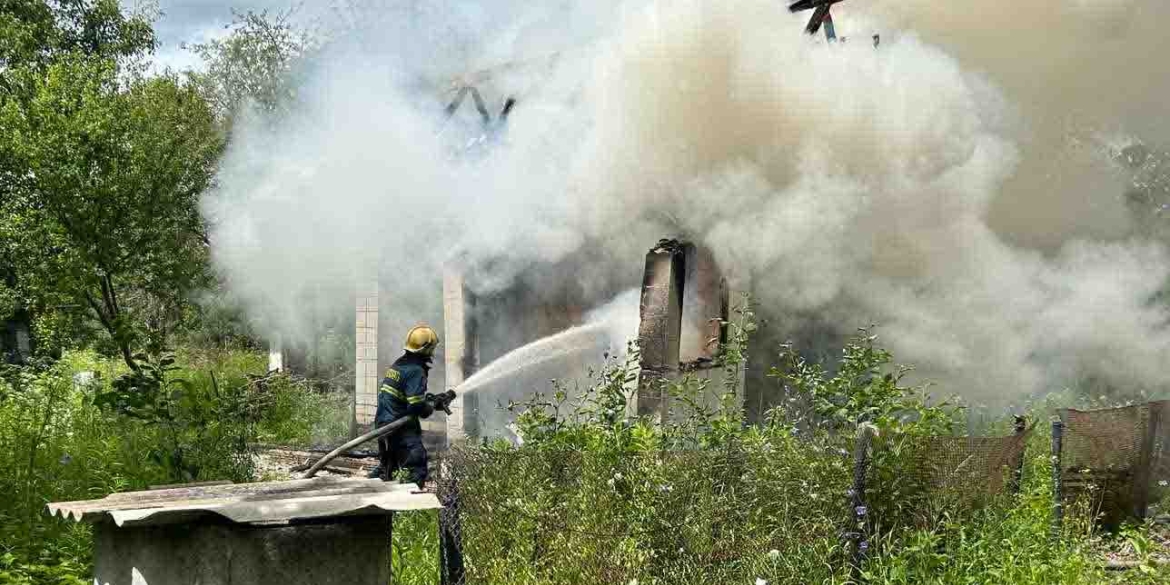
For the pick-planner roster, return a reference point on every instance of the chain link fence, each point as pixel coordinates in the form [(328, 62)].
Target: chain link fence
[(798, 511), (568, 517)]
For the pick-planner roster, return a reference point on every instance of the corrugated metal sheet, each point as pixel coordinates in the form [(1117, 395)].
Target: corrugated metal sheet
[(252, 503)]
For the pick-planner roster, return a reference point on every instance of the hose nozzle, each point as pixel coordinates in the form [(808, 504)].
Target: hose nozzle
[(442, 401)]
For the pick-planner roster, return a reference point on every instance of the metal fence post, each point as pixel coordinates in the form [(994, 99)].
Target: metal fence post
[(450, 532), (1141, 476), (1057, 479), (857, 509), (1021, 427)]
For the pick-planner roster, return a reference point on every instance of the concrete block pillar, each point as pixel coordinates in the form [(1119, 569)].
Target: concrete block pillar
[(367, 378), (460, 351), (276, 355), (660, 324), (23, 346), (705, 307)]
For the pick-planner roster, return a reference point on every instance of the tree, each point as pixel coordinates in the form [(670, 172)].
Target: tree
[(33, 33), (101, 171), (253, 63), (1148, 193)]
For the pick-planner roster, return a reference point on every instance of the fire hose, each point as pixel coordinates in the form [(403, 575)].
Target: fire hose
[(437, 401)]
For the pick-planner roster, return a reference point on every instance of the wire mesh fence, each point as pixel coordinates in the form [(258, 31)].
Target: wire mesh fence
[(534, 515), (917, 479), (569, 517), (1115, 461), (612, 517)]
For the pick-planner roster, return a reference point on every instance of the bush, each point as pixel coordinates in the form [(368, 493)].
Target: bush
[(594, 495), (84, 427), (296, 415), (538, 516)]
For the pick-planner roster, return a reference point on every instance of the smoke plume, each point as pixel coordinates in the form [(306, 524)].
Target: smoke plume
[(956, 185)]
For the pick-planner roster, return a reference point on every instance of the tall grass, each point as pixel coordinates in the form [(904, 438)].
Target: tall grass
[(594, 496), (57, 445)]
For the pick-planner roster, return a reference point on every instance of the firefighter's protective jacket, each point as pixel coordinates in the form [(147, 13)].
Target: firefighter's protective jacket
[(404, 389)]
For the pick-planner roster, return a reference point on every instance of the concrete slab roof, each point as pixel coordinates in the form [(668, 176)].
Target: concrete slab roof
[(251, 503)]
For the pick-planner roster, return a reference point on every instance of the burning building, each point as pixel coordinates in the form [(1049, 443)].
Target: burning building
[(676, 308)]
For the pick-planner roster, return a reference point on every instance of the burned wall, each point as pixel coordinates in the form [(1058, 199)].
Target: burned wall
[(684, 310)]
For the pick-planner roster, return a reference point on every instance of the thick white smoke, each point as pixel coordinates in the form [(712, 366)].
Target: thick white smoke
[(954, 185)]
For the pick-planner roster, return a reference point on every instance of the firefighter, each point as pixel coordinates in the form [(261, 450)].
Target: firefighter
[(404, 393)]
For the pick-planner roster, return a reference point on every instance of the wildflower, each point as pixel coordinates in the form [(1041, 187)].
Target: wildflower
[(760, 581), (633, 582), (617, 476), (843, 452), (610, 482), (773, 554), (1163, 483), (864, 546), (861, 510)]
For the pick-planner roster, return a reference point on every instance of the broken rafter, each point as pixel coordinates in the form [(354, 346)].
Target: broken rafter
[(820, 15)]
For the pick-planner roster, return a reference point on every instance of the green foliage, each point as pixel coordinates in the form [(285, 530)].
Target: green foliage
[(101, 170), (1010, 542), (34, 33), (14, 572), (205, 427), (414, 548), (594, 494), (865, 389), (57, 444), (58, 448), (216, 322), (703, 408), (595, 515), (8, 302), (297, 415), (253, 63), (105, 217)]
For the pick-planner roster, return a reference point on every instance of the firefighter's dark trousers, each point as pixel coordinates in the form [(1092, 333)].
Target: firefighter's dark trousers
[(404, 450)]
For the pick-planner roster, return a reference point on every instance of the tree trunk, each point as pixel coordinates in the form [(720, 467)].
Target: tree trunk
[(108, 316)]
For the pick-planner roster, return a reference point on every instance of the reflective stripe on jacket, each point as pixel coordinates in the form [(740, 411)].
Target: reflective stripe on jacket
[(403, 391)]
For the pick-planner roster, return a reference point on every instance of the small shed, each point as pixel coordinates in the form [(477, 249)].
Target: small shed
[(317, 531)]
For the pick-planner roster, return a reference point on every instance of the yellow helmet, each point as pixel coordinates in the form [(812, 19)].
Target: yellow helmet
[(421, 339)]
